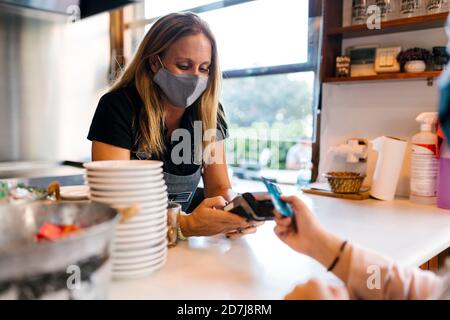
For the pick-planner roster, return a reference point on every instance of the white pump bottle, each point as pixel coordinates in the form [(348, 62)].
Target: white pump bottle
[(424, 164)]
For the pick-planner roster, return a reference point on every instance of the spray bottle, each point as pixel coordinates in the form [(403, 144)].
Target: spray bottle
[(424, 164)]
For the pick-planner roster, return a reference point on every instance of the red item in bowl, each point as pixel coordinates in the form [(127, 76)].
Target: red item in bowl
[(52, 232)]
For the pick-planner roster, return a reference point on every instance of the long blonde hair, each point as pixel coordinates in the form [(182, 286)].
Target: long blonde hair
[(159, 38)]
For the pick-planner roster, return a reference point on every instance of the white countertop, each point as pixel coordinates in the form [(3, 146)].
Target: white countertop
[(260, 266)]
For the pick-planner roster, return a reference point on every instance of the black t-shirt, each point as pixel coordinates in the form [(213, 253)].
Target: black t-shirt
[(116, 123)]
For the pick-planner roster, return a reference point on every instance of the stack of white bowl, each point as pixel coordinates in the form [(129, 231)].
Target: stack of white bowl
[(140, 244)]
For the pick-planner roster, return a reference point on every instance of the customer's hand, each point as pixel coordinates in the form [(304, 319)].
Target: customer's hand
[(317, 290), (305, 235), (298, 233), (209, 219)]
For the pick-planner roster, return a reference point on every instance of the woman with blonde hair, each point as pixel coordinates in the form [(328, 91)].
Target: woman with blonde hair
[(161, 107)]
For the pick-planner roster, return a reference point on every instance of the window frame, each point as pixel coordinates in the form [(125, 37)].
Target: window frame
[(313, 42)]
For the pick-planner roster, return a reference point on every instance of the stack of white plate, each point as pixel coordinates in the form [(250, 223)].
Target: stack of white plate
[(140, 245)]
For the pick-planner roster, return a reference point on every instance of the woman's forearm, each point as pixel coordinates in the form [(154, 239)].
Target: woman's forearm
[(226, 192)]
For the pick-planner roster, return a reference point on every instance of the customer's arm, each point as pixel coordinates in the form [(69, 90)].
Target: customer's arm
[(366, 274), (372, 276)]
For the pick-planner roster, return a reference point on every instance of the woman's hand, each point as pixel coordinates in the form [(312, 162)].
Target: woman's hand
[(298, 233), (237, 234), (209, 219), (317, 290)]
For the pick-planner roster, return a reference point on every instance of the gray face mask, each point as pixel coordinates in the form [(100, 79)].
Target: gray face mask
[(182, 90)]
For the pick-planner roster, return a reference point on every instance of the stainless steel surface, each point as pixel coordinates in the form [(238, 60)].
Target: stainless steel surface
[(40, 174), (36, 169), (68, 9), (22, 258), (27, 170), (59, 6), (44, 181), (51, 77), (35, 14)]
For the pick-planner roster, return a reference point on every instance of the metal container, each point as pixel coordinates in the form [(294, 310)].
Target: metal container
[(75, 267)]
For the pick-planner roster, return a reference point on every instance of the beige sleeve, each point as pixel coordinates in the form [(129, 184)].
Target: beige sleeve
[(373, 276)]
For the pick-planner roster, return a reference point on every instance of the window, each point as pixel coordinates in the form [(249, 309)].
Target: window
[(261, 33), (260, 28), (268, 52), (157, 8), (269, 113)]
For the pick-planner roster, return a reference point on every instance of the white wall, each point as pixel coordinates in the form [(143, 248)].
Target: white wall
[(372, 109)]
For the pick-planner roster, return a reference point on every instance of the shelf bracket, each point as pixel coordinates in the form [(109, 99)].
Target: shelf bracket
[(430, 82)]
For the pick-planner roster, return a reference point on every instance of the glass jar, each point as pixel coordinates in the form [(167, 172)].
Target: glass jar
[(173, 223), (359, 12), (412, 8), (389, 9), (436, 6), (440, 58)]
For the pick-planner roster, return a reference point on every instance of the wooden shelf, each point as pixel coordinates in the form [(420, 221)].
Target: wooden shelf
[(385, 76), (334, 34), (398, 25)]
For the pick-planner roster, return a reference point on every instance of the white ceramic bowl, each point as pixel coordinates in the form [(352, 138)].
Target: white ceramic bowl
[(141, 231), (155, 207), (118, 263), (130, 225), (148, 217), (415, 66), (124, 180), (154, 214), (142, 252), (143, 174), (141, 238), (123, 165), (138, 245), (145, 264), (139, 273), (156, 189), (143, 201), (133, 261), (127, 186)]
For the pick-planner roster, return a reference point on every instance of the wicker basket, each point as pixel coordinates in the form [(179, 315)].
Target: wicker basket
[(345, 182)]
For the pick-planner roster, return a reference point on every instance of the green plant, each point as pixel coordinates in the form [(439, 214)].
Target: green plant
[(414, 54)]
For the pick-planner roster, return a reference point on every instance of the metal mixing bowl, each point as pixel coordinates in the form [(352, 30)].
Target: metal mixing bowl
[(35, 270)]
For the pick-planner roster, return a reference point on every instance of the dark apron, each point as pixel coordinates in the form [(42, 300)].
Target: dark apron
[(181, 189)]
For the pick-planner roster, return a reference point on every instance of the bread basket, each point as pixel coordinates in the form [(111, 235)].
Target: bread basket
[(345, 182)]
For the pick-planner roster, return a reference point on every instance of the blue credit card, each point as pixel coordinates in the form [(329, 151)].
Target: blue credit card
[(275, 194)]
